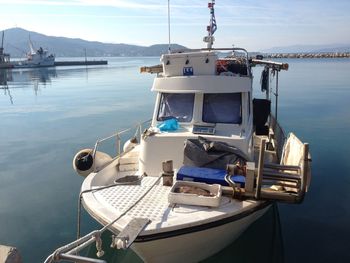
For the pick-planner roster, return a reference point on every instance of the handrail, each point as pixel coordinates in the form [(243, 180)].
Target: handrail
[(117, 136), (233, 49)]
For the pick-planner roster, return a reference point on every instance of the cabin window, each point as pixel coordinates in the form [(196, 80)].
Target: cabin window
[(222, 108), (178, 105)]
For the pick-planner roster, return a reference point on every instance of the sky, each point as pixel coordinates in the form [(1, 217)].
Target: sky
[(252, 24)]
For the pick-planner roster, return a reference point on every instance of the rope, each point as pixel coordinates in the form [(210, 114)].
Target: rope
[(277, 233)]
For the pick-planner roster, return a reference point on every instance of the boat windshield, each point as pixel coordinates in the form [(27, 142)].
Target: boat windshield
[(177, 105), (222, 108)]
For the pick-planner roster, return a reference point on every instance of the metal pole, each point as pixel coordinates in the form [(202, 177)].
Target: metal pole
[(276, 94), (118, 143), (268, 84), (169, 26), (79, 259), (80, 247)]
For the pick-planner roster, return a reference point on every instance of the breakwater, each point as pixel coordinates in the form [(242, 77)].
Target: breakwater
[(308, 55)]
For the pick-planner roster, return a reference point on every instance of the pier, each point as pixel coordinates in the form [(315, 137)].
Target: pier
[(81, 63), (309, 55), (8, 65)]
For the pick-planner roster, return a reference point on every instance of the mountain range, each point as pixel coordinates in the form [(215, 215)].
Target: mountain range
[(16, 43)]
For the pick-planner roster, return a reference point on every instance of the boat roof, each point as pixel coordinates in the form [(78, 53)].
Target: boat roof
[(202, 84)]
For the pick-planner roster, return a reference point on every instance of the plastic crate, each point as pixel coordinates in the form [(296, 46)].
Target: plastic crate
[(195, 199)]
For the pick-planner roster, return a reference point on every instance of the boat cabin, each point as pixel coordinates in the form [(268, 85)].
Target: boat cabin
[(208, 97)]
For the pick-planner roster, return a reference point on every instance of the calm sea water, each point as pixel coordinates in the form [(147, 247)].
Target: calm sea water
[(47, 115)]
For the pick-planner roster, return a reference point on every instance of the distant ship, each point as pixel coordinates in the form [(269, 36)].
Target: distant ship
[(38, 58)]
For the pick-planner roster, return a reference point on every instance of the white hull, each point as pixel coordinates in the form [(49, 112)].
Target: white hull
[(176, 233), (48, 62), (196, 246)]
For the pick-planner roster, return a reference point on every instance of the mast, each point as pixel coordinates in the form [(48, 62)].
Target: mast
[(209, 39), (2, 44), (169, 47), (2, 58), (2, 41), (32, 51)]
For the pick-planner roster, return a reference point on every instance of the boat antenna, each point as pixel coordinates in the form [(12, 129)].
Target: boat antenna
[(169, 46), (209, 39)]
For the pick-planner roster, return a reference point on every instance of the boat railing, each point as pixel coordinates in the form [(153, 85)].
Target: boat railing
[(233, 49), (138, 133), (278, 135)]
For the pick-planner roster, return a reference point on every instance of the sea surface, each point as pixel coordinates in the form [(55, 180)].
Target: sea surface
[(47, 115)]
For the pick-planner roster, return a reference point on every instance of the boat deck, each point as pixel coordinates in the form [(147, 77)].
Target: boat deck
[(108, 204)]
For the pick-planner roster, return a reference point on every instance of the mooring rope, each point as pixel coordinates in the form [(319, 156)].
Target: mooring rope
[(74, 246)]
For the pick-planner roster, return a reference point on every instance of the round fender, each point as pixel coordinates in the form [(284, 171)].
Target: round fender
[(130, 144), (84, 163)]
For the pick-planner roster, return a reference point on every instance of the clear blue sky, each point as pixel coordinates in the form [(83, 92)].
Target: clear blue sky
[(252, 24)]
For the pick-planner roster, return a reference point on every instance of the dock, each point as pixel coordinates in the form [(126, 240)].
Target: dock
[(81, 63), (10, 65)]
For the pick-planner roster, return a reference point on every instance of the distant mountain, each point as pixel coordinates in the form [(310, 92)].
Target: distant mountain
[(16, 43), (309, 48)]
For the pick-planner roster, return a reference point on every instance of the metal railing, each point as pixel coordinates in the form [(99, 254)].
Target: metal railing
[(233, 49), (138, 133), (279, 136)]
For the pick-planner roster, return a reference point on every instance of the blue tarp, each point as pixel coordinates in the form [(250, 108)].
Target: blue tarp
[(207, 175)]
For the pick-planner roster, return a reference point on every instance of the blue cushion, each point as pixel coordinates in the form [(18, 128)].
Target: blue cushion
[(207, 175)]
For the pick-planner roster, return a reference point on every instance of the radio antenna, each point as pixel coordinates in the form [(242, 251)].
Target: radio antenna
[(169, 27), (209, 39)]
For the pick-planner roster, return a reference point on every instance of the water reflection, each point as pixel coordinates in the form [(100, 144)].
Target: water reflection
[(5, 75), (25, 78)]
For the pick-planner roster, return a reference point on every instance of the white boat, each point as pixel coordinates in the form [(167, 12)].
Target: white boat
[(211, 162), (36, 58)]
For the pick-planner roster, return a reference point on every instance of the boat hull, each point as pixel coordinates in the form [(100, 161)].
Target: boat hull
[(195, 246)]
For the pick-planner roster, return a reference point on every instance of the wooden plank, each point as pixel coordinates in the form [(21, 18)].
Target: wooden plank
[(280, 176), (250, 179), (260, 169), (280, 196), (282, 167)]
